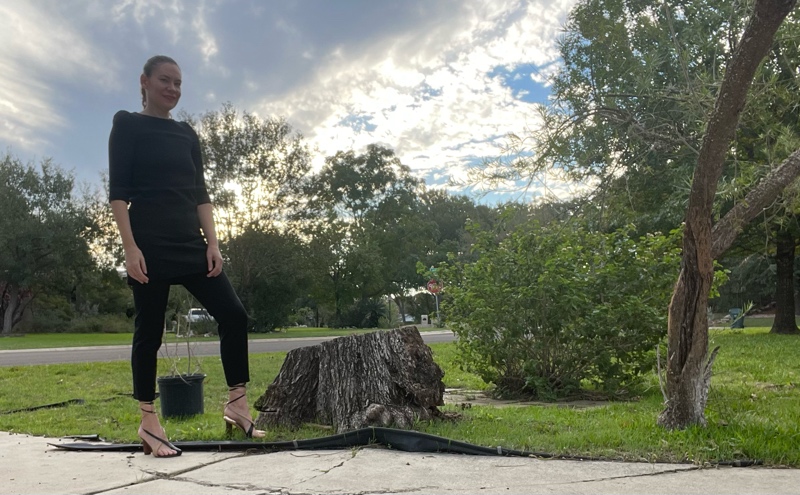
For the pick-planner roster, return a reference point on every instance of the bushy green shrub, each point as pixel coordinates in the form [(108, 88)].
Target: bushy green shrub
[(101, 324), (549, 309)]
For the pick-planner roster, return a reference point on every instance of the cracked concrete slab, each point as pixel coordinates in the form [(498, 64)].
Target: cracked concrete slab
[(29, 465), (384, 471), (378, 471), (272, 472)]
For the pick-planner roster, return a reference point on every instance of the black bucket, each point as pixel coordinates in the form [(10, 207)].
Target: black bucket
[(181, 395)]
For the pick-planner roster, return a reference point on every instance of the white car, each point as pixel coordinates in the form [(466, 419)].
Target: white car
[(197, 314)]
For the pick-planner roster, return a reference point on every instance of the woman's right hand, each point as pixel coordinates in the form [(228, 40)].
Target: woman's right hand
[(135, 265)]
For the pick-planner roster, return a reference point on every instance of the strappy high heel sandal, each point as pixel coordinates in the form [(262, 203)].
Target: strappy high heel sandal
[(147, 447), (230, 421)]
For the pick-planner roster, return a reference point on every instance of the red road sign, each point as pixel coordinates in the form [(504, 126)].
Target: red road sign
[(433, 286)]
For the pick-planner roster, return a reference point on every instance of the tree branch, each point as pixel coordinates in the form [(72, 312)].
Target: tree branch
[(731, 225)]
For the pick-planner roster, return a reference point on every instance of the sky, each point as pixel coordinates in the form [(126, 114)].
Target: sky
[(441, 82)]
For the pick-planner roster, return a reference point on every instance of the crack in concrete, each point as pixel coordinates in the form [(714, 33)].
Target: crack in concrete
[(156, 475), (233, 486), (192, 468), (627, 476), (406, 490), (261, 490), (326, 471)]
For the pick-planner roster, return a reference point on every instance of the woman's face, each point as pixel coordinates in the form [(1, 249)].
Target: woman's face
[(163, 87)]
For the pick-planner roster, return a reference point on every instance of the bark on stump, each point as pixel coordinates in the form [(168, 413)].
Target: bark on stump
[(385, 378)]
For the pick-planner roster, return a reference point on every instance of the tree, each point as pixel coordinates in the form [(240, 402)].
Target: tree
[(331, 265), (785, 320), (638, 82), (273, 276), (451, 214), (43, 234), (640, 107), (689, 365), (253, 168), (630, 104), (765, 140), (362, 214)]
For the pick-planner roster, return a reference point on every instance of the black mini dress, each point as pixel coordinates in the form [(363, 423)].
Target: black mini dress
[(155, 165)]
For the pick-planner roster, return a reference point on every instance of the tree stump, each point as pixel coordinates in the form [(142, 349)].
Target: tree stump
[(385, 378)]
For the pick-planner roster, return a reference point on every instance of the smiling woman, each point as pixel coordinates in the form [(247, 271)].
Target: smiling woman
[(164, 215), (161, 86)]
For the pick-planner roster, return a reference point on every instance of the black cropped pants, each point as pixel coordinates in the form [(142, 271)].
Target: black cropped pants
[(217, 295)]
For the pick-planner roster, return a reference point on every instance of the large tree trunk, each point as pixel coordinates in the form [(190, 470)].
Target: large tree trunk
[(375, 379), (10, 309), (15, 300), (785, 320), (688, 370)]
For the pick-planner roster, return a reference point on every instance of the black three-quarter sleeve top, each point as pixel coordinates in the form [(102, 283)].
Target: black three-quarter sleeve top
[(156, 167)]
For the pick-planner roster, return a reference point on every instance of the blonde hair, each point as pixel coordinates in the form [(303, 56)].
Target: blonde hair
[(150, 65)]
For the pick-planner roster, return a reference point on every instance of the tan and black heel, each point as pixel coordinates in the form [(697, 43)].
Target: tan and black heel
[(248, 427), (147, 443)]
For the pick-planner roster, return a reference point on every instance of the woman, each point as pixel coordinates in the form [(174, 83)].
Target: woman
[(164, 216)]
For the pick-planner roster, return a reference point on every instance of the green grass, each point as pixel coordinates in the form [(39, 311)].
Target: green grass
[(752, 413), (50, 340), (754, 322)]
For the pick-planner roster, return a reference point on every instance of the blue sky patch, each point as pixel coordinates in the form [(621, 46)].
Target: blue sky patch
[(521, 83), (359, 123)]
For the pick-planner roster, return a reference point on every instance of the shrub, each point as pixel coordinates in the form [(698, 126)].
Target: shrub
[(549, 308), (48, 314), (101, 324), (206, 326)]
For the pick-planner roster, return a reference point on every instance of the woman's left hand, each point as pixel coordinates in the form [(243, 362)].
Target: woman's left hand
[(214, 258)]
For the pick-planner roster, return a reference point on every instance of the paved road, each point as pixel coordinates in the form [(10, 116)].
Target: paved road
[(122, 352)]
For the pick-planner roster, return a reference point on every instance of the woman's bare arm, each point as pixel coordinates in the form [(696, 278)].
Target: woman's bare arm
[(134, 259), (205, 212)]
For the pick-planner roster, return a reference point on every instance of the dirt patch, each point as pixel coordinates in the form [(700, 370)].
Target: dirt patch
[(469, 398)]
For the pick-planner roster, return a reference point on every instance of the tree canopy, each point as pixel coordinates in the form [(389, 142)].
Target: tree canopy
[(44, 234)]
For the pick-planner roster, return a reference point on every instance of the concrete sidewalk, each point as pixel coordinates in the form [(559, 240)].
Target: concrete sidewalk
[(29, 466)]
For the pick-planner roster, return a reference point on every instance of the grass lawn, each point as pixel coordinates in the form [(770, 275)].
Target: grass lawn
[(50, 340), (753, 408)]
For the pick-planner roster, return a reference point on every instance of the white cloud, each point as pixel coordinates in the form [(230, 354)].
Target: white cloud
[(428, 92), (41, 58), (208, 44), (185, 24), (165, 13), (429, 79)]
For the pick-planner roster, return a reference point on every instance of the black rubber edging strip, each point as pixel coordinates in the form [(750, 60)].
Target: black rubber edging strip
[(402, 440), (45, 406), (65, 404)]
